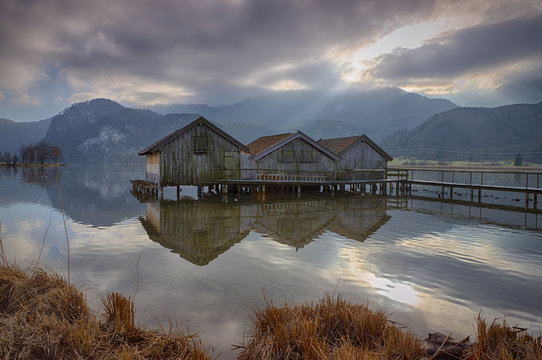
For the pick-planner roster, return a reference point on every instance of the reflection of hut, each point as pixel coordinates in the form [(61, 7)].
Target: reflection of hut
[(198, 231), (357, 153), (294, 223), (201, 230), (357, 220)]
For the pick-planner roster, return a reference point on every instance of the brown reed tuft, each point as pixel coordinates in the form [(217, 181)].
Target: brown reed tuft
[(499, 341), (44, 317), (329, 329)]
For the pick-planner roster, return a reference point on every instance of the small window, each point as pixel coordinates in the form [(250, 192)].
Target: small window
[(308, 156), (286, 155), (201, 144)]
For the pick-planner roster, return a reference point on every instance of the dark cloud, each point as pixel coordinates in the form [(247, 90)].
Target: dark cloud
[(214, 51), (467, 51), (189, 42)]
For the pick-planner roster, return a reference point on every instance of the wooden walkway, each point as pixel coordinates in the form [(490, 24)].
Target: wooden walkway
[(475, 189), (398, 181)]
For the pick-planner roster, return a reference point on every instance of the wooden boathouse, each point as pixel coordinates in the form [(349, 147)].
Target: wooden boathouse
[(196, 154), (292, 157), (357, 155), (203, 155)]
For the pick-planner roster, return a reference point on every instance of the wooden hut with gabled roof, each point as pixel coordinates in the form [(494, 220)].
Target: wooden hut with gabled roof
[(196, 154), (292, 157), (360, 157)]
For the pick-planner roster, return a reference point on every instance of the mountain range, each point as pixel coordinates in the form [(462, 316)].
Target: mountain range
[(102, 130), (376, 113), (474, 134)]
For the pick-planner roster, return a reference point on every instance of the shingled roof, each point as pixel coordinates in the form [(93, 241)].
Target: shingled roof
[(199, 121), (340, 145), (267, 144), (337, 145)]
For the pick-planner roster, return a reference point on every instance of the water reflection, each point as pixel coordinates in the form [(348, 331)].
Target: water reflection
[(433, 265), (201, 230), (97, 196)]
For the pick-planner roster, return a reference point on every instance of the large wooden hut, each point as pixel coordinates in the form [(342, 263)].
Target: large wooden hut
[(291, 157), (360, 157), (198, 153)]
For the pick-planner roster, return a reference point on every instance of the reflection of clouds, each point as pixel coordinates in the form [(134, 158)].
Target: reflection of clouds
[(397, 291), (23, 228), (356, 269)]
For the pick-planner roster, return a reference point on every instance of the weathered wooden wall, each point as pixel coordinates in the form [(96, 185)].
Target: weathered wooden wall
[(247, 166), (182, 164), (360, 156), (153, 167), (305, 158)]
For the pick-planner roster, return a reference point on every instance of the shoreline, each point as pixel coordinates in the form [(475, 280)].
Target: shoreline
[(41, 313), (47, 165)]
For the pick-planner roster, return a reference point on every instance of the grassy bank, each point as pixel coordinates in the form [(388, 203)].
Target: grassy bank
[(44, 317)]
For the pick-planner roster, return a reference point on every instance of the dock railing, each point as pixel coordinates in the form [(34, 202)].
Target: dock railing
[(298, 176), (475, 180)]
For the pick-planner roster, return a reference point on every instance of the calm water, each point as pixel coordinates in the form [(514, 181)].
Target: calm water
[(207, 264)]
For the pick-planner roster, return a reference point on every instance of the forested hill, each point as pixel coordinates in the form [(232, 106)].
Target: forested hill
[(474, 134), (13, 134), (103, 130)]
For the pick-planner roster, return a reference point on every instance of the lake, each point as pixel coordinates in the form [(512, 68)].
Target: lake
[(207, 264)]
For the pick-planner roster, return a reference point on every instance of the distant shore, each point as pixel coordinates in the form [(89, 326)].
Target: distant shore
[(483, 168), (33, 165)]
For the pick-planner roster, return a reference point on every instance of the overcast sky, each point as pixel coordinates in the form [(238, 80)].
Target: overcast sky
[(147, 52)]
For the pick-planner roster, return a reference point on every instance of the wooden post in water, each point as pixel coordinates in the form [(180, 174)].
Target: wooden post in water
[(442, 182), (470, 188), (480, 189), (535, 206), (178, 192), (451, 186), (526, 190)]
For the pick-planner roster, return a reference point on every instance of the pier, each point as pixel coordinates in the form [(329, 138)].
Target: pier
[(477, 181), (461, 184)]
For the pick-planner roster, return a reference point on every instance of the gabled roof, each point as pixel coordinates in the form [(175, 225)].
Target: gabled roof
[(267, 144), (264, 142), (199, 121), (340, 145)]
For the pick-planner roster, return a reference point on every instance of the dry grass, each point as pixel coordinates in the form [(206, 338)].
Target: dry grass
[(330, 329), (499, 341), (44, 317)]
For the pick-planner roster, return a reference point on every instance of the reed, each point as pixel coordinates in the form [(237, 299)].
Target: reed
[(329, 329), (500, 341), (42, 316)]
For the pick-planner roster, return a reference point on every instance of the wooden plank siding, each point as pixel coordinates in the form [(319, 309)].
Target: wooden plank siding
[(185, 160), (296, 157), (153, 167), (360, 155)]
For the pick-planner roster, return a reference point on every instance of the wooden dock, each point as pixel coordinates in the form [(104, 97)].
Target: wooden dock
[(531, 190), (393, 181)]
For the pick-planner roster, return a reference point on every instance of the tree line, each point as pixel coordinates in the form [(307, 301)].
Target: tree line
[(40, 153)]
